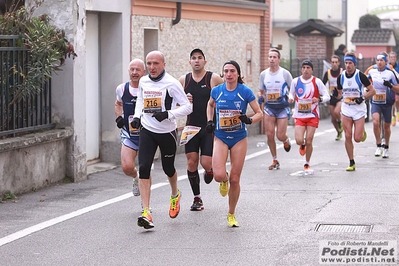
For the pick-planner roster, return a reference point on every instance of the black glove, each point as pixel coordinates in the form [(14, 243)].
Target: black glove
[(136, 123), (244, 118), (120, 122), (210, 126), (335, 93), (359, 100), (388, 84), (261, 100), (160, 116)]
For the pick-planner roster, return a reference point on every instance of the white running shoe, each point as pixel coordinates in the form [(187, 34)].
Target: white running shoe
[(136, 191), (378, 152), (385, 153)]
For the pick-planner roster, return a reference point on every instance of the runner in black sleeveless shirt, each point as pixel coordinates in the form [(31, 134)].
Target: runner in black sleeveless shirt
[(197, 85)]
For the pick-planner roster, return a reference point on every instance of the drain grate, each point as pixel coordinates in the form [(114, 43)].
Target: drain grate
[(344, 228)]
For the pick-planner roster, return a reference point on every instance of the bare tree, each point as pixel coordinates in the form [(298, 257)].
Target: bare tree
[(10, 5)]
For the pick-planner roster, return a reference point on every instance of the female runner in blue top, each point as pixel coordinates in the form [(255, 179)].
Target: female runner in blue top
[(230, 100)]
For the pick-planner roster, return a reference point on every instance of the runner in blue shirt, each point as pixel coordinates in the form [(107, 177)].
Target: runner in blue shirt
[(230, 100)]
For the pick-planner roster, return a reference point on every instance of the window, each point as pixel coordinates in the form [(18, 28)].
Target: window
[(248, 57)]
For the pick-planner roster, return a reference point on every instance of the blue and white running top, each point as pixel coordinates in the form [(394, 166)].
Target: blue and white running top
[(229, 106)]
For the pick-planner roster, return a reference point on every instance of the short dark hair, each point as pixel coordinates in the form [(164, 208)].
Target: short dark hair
[(341, 47), (276, 51)]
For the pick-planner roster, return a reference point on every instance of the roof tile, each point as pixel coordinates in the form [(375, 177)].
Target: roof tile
[(372, 35)]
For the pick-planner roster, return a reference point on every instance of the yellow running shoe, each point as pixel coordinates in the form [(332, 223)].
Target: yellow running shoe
[(364, 136), (231, 220), (351, 168), (224, 188), (174, 208), (339, 135), (145, 220)]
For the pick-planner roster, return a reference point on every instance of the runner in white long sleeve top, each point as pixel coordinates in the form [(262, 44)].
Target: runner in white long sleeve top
[(156, 110)]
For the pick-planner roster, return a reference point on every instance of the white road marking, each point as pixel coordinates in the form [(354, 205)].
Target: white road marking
[(35, 228), (43, 225)]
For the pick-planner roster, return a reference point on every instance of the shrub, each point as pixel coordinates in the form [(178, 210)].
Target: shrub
[(46, 44)]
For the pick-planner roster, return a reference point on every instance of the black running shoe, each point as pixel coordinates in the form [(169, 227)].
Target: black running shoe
[(197, 205), (208, 176)]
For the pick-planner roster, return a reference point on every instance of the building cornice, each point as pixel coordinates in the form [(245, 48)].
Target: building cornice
[(226, 3)]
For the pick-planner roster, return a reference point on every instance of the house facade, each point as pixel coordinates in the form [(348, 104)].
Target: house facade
[(370, 42), (342, 14), (106, 37)]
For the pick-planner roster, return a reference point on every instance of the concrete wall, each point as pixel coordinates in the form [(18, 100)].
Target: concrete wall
[(69, 86), (115, 39), (114, 58), (371, 51), (33, 161), (36, 160), (39, 160)]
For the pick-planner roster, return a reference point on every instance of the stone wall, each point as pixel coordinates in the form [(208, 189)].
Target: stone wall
[(220, 41)]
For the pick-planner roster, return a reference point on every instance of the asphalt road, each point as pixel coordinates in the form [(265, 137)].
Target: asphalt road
[(285, 217)]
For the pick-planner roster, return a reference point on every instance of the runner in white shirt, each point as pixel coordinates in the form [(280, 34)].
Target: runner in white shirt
[(353, 110), (334, 106), (274, 84), (383, 80), (307, 92), (156, 110)]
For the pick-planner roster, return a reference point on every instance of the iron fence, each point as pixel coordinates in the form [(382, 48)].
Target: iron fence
[(20, 115), (318, 67)]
